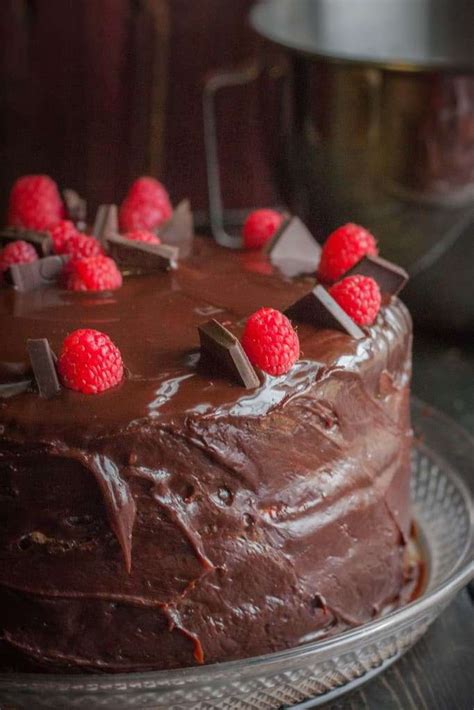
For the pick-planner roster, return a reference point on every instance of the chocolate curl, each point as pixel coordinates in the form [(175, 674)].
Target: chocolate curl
[(141, 257), (320, 309), (76, 208), (293, 249), (106, 223), (43, 364), (390, 277), (222, 349), (41, 241), (37, 274), (178, 231)]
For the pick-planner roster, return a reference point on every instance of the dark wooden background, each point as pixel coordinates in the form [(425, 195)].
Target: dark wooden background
[(437, 674), (97, 92)]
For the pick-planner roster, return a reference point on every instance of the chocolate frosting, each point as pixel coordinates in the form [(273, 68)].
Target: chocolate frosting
[(179, 518)]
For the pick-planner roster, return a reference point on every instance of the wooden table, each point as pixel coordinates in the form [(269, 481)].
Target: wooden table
[(436, 674)]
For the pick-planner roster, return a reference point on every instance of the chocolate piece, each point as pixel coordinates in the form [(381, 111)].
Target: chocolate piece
[(293, 249), (106, 223), (222, 347), (40, 240), (319, 308), (44, 369), (44, 272), (390, 277), (13, 371), (10, 389), (137, 256), (178, 231), (76, 208)]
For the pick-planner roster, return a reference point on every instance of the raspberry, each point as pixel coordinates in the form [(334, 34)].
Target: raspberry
[(81, 246), (89, 362), (35, 203), (60, 233), (359, 297), (344, 248), (146, 187), (18, 252), (270, 341), (94, 273), (145, 207), (142, 235), (259, 228)]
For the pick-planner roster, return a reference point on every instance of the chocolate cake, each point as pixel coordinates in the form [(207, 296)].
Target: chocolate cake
[(180, 518)]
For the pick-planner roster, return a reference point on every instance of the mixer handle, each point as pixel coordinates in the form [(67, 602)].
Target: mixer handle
[(219, 217)]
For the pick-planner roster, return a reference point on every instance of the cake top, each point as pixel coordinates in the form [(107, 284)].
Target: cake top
[(158, 315), (153, 319)]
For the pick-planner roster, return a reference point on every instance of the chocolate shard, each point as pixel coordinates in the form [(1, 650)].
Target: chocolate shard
[(10, 389), (293, 249), (13, 371), (40, 240), (222, 349), (320, 309), (140, 257), (390, 277), (15, 378), (44, 272), (106, 223), (43, 364), (76, 208), (178, 231)]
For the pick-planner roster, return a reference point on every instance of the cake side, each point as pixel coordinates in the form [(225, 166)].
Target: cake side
[(178, 519)]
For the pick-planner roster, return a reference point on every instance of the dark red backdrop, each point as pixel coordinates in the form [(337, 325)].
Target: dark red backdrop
[(96, 92)]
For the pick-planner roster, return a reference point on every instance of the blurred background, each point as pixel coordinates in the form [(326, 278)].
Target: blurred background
[(98, 92), (338, 110)]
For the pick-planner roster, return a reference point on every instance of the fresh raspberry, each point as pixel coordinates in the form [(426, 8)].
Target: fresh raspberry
[(81, 246), (359, 296), (35, 203), (270, 341), (145, 207), (344, 248), (142, 235), (95, 273), (146, 186), (89, 362), (60, 233), (18, 252), (259, 228)]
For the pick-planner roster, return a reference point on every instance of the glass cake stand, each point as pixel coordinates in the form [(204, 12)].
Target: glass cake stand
[(311, 674)]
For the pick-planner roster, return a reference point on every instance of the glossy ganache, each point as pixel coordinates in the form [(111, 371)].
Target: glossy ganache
[(179, 518)]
